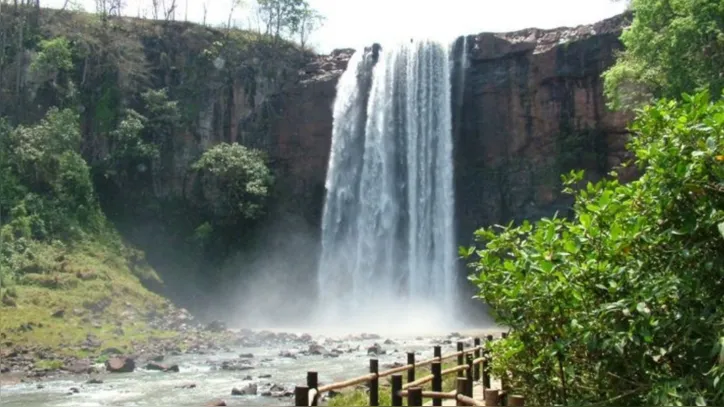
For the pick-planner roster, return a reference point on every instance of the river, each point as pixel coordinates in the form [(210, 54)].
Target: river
[(152, 388)]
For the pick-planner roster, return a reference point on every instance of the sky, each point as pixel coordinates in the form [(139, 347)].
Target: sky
[(356, 23)]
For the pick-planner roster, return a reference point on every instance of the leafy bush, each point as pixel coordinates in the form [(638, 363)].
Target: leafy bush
[(236, 182), (46, 187), (624, 303), (670, 48)]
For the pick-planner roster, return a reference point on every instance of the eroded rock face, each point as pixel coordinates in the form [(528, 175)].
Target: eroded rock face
[(531, 108)]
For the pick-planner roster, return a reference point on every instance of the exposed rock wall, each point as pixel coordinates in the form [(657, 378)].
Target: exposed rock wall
[(532, 108)]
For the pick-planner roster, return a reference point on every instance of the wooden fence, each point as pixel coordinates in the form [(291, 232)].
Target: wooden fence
[(473, 364)]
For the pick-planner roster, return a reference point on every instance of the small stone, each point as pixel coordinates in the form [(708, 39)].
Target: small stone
[(94, 381), (58, 314)]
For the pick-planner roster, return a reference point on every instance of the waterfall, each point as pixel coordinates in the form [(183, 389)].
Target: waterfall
[(387, 226)]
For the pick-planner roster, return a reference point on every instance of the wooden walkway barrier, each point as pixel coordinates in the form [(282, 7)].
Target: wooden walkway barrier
[(473, 366)]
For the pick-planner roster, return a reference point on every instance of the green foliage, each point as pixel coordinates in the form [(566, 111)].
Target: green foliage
[(624, 303), (236, 182), (54, 55), (671, 47), (283, 17), (47, 188)]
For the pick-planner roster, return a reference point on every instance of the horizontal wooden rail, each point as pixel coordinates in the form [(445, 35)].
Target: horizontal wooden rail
[(346, 383), (433, 394), (454, 369), (468, 369), (418, 382), (395, 370)]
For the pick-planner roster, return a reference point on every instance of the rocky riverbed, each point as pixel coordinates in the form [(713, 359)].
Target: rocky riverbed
[(236, 367)]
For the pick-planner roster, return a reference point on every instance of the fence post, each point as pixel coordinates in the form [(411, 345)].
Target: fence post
[(486, 363), (478, 353), (436, 368), (516, 401), (461, 358), (301, 396), (469, 374), (411, 372), (313, 383), (396, 388), (462, 384), (374, 383), (492, 397), (414, 396), (437, 351)]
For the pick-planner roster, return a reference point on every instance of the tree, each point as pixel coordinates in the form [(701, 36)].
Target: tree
[(624, 303), (46, 179), (282, 17), (309, 22), (671, 47), (235, 181)]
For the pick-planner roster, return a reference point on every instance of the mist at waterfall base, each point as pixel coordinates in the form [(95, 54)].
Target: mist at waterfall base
[(385, 259)]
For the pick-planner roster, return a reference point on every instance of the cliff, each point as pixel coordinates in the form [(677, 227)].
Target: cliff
[(530, 108)]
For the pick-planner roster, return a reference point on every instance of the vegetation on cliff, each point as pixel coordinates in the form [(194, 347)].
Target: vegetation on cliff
[(134, 104), (92, 107), (671, 47), (623, 303)]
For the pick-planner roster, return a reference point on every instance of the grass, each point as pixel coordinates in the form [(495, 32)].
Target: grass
[(96, 287), (48, 364), (356, 397)]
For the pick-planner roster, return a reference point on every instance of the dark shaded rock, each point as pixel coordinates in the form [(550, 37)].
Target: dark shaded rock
[(120, 365), (265, 376), (157, 358), (316, 349), (94, 381), (216, 403), (74, 390), (287, 354), (79, 367), (376, 349), (236, 366), (187, 386), (216, 326), (246, 356), (58, 314), (91, 342)]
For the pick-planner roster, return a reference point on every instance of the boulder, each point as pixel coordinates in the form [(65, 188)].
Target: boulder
[(120, 365), (376, 349), (316, 349)]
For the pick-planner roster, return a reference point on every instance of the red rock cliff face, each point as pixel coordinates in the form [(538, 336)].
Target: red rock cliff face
[(531, 108)]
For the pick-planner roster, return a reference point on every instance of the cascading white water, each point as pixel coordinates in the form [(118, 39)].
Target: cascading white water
[(387, 227)]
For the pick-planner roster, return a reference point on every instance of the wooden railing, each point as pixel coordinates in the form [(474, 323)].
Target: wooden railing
[(473, 364)]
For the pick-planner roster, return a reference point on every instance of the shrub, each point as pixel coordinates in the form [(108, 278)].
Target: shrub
[(624, 303)]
